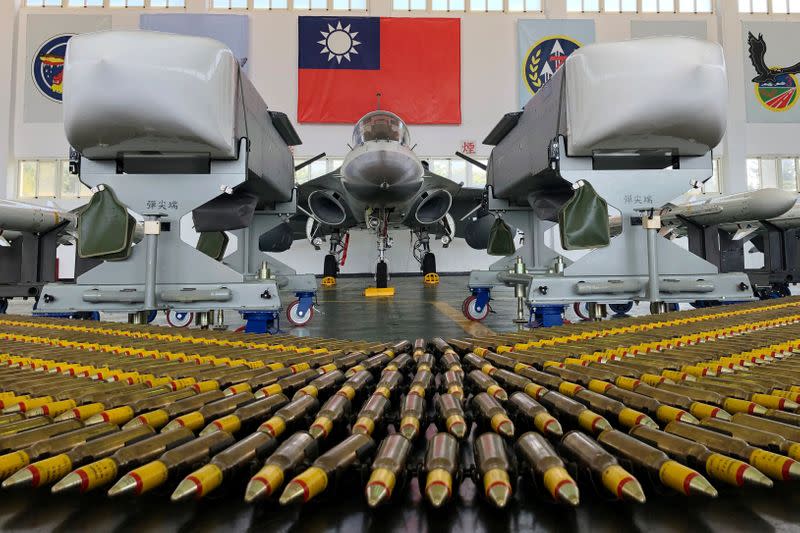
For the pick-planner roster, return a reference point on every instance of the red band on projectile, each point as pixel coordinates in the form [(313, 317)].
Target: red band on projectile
[(622, 484), (35, 473), (84, 479), (785, 470), (306, 492), (199, 485), (740, 475), (138, 481), (688, 481)]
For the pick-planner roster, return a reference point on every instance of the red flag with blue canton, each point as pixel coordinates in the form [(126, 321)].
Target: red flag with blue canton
[(414, 63)]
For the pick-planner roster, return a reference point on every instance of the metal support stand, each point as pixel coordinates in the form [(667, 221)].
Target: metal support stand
[(621, 272), (176, 275)]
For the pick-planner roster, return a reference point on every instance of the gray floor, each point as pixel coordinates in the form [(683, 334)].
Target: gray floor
[(414, 311)]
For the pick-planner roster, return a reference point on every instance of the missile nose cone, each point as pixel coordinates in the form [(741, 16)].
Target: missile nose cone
[(19, 478), (568, 493), (770, 202), (376, 494), (437, 494), (700, 485), (68, 483)]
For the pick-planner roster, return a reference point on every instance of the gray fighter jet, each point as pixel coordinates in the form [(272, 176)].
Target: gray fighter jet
[(381, 185)]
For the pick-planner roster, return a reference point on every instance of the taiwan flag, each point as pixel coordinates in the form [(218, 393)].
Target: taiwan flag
[(413, 63)]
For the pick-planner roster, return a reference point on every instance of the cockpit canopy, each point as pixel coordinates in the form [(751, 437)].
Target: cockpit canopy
[(381, 126)]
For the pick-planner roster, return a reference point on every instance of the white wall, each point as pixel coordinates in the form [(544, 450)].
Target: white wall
[(489, 66)]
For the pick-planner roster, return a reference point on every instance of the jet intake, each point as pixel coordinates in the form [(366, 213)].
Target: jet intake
[(433, 207), (326, 207)]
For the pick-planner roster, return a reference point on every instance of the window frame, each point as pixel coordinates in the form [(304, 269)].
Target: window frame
[(467, 8), (760, 161), (62, 167)]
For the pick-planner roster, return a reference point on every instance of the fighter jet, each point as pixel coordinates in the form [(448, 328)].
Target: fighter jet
[(382, 184)]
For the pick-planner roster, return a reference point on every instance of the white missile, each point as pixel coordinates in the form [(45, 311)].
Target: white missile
[(20, 216), (763, 204)]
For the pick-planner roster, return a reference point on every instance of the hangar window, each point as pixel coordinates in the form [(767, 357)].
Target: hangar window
[(754, 176), (316, 169), (270, 4), (310, 4), (85, 3), (350, 5), (447, 5), (753, 6), (49, 178), (781, 172), (528, 6), (658, 6), (229, 4), (788, 172), (459, 170), (409, 5), (694, 6), (167, 3), (486, 5), (786, 7), (620, 6), (43, 3), (583, 6), (779, 7), (126, 3)]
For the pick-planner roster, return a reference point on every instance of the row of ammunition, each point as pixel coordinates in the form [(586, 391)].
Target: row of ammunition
[(675, 399)]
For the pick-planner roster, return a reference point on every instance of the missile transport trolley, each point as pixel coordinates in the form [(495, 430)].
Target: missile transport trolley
[(209, 148), (657, 143)]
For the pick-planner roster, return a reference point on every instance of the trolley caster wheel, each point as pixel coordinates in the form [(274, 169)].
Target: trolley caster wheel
[(179, 319), (294, 316), (382, 275), (621, 309), (581, 311), (471, 312)]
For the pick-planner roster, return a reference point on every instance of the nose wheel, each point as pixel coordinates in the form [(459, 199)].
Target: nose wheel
[(330, 268), (382, 275)]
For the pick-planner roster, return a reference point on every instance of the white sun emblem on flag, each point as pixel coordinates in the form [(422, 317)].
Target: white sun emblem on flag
[(339, 42)]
